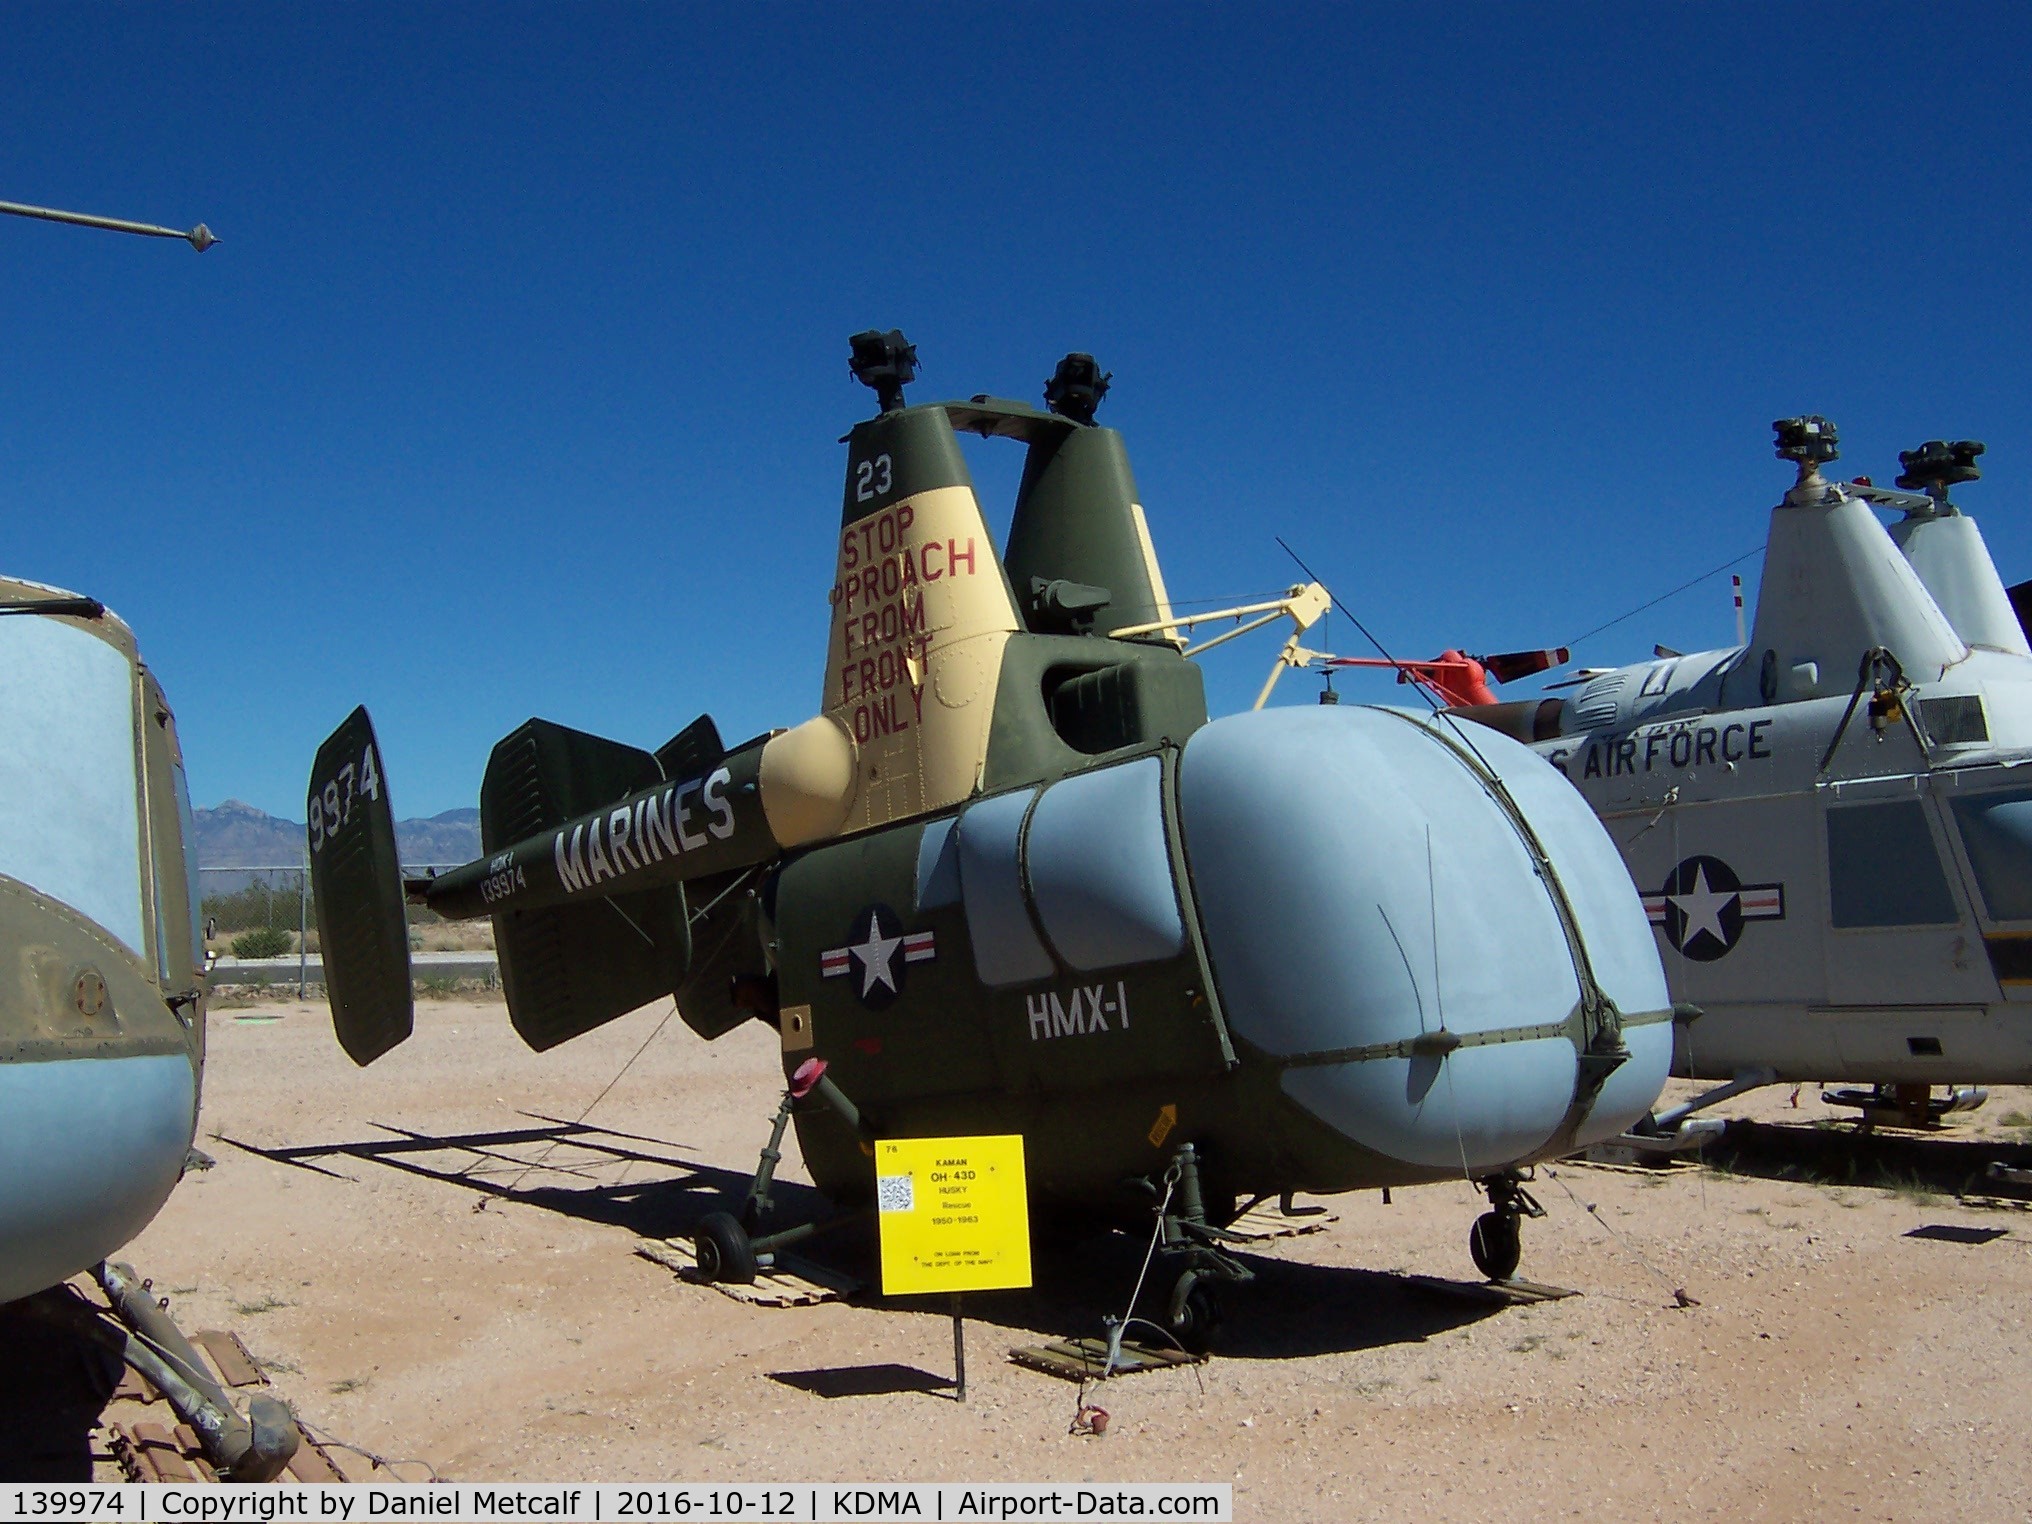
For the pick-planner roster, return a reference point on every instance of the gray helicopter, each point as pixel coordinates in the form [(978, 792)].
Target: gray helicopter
[(1831, 823)]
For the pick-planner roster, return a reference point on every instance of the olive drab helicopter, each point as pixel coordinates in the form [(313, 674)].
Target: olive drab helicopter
[(1831, 823), (102, 1021), (1011, 878)]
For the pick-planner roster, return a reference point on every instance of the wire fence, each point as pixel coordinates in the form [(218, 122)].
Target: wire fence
[(259, 919), (259, 910)]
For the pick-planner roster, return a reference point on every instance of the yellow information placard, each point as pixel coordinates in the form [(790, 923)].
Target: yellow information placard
[(954, 1212)]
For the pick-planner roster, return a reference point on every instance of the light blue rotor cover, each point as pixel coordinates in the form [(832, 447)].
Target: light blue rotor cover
[(1361, 885)]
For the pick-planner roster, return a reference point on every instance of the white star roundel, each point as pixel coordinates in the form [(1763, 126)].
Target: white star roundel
[(1704, 907), (876, 954)]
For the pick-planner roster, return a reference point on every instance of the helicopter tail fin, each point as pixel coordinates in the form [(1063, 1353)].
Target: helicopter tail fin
[(567, 969), (356, 882)]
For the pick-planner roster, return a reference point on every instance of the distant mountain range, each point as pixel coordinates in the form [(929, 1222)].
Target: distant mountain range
[(237, 835)]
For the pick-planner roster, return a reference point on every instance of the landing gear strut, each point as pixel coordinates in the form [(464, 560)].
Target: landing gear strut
[(1497, 1240), (735, 1249), (1189, 1248)]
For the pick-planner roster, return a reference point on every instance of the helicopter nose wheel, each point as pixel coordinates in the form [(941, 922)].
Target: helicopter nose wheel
[(724, 1250), (1196, 1311), (1496, 1241)]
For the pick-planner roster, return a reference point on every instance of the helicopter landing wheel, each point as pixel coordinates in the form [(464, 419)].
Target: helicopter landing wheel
[(1196, 1312), (1497, 1243), (723, 1249)]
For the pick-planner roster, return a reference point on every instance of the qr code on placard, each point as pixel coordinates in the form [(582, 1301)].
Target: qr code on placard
[(893, 1193)]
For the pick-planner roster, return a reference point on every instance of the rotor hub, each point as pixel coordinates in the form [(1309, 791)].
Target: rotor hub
[(885, 362), (1076, 388), (1937, 465), (1810, 441)]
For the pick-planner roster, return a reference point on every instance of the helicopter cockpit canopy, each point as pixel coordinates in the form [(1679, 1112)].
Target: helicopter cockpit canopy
[(83, 781)]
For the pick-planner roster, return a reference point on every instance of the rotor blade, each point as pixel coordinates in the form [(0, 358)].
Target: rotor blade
[(200, 237), (1511, 665)]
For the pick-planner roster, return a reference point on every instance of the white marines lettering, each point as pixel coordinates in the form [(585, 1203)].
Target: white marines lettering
[(653, 828)]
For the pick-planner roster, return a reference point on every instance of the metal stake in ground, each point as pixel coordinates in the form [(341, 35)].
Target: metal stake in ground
[(959, 1351)]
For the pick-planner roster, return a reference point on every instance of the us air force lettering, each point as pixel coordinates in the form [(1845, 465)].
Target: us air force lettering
[(1681, 745), (1828, 819), (1012, 878)]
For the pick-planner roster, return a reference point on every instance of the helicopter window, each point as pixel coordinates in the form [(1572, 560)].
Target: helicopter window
[(1100, 869), (1954, 721), (1997, 831), (70, 822), (1882, 869), (1005, 942), (189, 827), (1124, 703), (938, 866)]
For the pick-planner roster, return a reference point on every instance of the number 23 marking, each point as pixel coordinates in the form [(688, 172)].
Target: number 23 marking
[(873, 479)]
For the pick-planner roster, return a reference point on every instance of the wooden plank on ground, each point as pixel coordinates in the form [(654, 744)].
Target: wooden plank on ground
[(791, 1282), (312, 1464), (134, 1387), (230, 1358), (160, 1453), (1491, 1293), (1084, 1359), (1265, 1222)]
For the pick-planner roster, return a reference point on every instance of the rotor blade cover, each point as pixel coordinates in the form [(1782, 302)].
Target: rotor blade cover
[(356, 884)]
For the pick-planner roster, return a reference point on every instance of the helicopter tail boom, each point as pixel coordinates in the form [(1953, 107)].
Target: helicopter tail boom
[(589, 845)]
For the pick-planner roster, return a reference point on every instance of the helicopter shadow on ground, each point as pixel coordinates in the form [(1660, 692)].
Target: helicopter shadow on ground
[(617, 1179), (1840, 1153), (1293, 1309), (56, 1386)]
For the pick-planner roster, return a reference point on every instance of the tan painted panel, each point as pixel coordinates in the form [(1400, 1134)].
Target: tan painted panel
[(807, 781), (1152, 570), (921, 613)]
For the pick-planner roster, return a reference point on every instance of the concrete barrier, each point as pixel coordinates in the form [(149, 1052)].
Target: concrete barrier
[(310, 969)]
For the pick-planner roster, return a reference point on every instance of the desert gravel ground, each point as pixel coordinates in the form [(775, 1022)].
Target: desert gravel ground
[(1852, 1351)]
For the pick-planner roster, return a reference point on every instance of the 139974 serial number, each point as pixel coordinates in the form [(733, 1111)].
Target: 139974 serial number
[(71, 1503)]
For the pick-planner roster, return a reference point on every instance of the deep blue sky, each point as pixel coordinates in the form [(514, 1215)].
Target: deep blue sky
[(515, 385)]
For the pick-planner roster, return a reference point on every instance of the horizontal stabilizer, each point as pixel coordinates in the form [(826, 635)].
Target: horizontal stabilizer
[(569, 968), (356, 883), (692, 750)]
